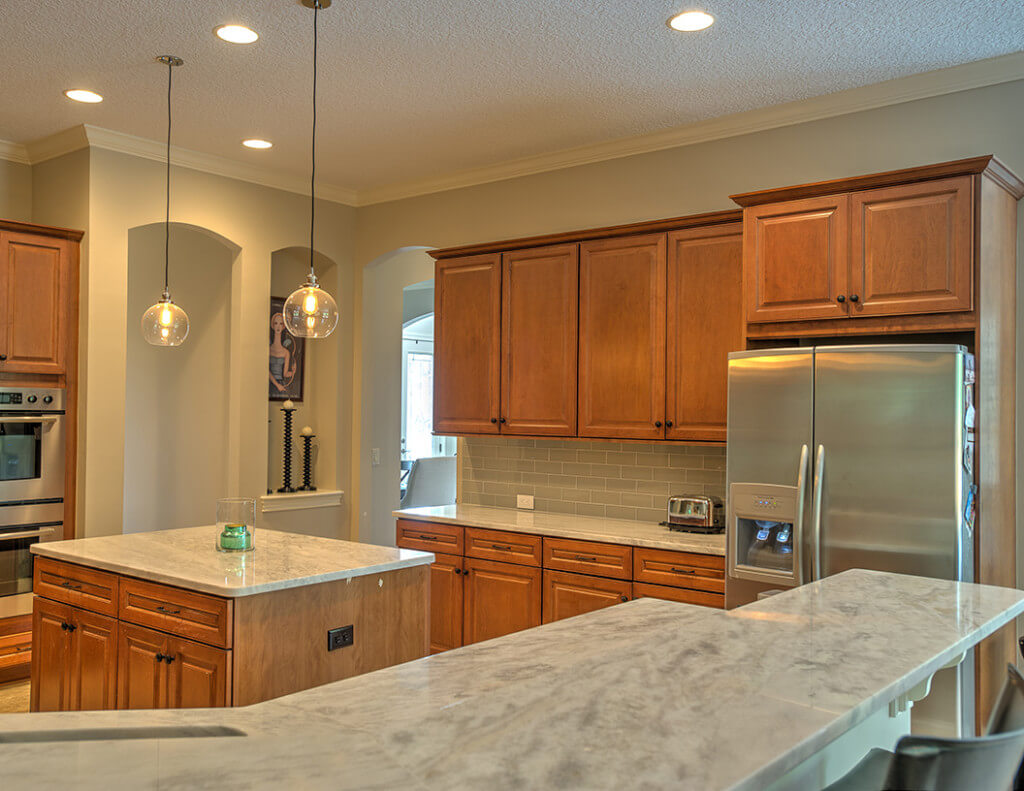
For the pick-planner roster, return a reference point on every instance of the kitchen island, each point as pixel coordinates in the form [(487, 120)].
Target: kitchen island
[(164, 620), (650, 694)]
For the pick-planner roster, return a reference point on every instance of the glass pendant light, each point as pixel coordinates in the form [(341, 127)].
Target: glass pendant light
[(166, 324), (310, 312)]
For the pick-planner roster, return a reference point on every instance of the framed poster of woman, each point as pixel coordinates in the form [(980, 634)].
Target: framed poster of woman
[(287, 357)]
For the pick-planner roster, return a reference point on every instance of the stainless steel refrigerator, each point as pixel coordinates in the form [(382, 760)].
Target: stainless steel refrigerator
[(845, 457)]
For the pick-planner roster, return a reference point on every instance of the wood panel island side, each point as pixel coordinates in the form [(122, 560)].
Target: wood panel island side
[(164, 620)]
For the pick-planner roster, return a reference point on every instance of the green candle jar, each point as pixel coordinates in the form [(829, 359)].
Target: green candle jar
[(236, 520)]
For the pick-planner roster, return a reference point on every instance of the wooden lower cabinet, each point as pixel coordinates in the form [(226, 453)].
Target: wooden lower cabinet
[(500, 598), (446, 602), (685, 595), (75, 665), (566, 594)]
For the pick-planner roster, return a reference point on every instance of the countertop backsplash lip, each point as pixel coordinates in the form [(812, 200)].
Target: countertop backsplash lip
[(649, 535), (598, 478)]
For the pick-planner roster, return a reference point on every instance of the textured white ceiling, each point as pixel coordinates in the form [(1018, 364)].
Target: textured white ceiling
[(417, 89)]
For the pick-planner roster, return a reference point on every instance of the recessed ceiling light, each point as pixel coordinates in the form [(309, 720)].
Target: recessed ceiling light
[(80, 95), (690, 21), (236, 34), (255, 142)]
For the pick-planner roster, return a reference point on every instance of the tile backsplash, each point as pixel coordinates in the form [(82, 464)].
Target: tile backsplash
[(623, 480)]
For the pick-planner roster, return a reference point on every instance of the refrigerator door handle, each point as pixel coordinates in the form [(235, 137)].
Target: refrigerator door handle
[(819, 485), (798, 537)]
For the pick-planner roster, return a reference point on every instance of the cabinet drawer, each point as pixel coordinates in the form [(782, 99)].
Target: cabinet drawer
[(567, 595), (684, 595), (430, 537), (504, 546), (176, 611), (15, 650), (76, 585), (589, 557), (679, 569)]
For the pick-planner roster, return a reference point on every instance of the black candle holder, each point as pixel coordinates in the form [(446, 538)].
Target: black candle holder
[(307, 442), (288, 411)]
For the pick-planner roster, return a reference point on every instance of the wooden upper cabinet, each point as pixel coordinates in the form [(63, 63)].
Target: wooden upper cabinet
[(500, 598), (467, 337), (912, 247), (622, 338), (34, 295), (796, 259), (705, 323), (539, 297)]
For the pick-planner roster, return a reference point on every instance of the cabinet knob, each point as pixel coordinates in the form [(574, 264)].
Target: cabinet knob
[(840, 299), (668, 424), (159, 657), (458, 571), (502, 420), (657, 424), (854, 298), (3, 357), (168, 658), (494, 420), (623, 598)]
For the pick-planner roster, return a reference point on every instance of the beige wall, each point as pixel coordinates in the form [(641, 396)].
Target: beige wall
[(15, 191)]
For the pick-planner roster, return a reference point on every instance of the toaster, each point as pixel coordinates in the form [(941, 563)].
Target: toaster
[(695, 514)]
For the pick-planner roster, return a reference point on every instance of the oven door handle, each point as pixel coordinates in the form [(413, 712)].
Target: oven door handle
[(29, 418), (42, 531)]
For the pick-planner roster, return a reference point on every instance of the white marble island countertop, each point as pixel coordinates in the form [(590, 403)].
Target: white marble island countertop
[(649, 694), (187, 557), (584, 528)]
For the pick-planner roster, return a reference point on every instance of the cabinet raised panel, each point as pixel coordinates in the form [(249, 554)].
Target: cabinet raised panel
[(93, 662), (50, 671), (567, 595), (446, 603), (197, 675), (796, 256), (34, 276), (500, 598), (622, 338), (912, 248), (141, 678), (467, 337), (540, 289), (705, 323)]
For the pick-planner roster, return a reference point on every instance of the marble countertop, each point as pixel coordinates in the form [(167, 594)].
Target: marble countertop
[(649, 694), (188, 558), (586, 528)]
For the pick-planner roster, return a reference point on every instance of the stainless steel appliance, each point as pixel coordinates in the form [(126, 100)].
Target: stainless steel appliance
[(846, 457), (32, 448), (695, 513)]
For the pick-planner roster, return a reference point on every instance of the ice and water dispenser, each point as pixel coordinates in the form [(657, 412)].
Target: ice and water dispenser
[(765, 545)]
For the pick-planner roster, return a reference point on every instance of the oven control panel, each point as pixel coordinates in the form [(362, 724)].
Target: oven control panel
[(35, 399)]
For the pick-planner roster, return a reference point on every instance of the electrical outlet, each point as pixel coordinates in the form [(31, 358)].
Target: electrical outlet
[(340, 637), (375, 456), (524, 501)]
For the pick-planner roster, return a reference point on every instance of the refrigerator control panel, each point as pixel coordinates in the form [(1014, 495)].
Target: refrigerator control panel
[(764, 528)]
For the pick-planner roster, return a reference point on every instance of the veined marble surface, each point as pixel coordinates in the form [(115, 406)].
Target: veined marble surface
[(188, 557), (584, 528), (647, 695)]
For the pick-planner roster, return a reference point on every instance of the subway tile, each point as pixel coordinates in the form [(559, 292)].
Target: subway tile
[(686, 462), (590, 509), (714, 462), (705, 476), (559, 454), (619, 512), (652, 459), (551, 443), (638, 500), (505, 501), (621, 458), (568, 481), (606, 470), (548, 493), (535, 478), (607, 498), (588, 483), (549, 467), (654, 487), (576, 469), (650, 515), (522, 465), (536, 454), (638, 473), (497, 464), (591, 456), (619, 485)]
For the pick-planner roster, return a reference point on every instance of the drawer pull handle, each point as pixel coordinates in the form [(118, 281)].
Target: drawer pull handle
[(72, 586), (684, 571), (585, 559), (427, 538), (502, 547), (165, 611)]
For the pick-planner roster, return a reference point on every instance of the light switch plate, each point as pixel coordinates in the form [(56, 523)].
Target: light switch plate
[(524, 501)]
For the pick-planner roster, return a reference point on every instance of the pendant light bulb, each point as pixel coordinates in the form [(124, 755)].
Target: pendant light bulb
[(309, 311), (166, 324)]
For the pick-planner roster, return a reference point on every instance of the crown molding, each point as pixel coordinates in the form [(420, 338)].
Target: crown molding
[(14, 152), (992, 71)]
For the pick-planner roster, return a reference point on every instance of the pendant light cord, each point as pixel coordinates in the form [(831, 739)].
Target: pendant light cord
[(312, 170), (167, 214)]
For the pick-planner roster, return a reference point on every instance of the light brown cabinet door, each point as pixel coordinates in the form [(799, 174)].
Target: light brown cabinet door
[(51, 652), (566, 594), (705, 323), (622, 338), (539, 298), (500, 598), (913, 248), (93, 662), (467, 339), (795, 259), (141, 672), (197, 675), (445, 603), (34, 272)]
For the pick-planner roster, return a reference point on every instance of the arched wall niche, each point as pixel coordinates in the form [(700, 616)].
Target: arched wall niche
[(177, 446)]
